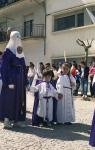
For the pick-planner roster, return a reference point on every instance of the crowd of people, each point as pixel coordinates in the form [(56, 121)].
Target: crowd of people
[(53, 88), (83, 74), (67, 80)]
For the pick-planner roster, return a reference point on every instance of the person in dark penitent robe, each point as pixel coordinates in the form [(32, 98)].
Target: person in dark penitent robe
[(14, 80), (36, 81), (92, 133), (1, 54)]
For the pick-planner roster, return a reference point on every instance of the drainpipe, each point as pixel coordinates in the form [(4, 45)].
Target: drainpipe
[(45, 28), (44, 6)]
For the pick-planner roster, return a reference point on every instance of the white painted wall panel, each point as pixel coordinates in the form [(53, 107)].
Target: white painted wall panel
[(57, 5), (58, 42), (33, 50)]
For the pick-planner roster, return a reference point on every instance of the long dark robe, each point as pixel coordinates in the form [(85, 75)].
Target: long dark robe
[(92, 134), (35, 118), (20, 89), (13, 101), (93, 87)]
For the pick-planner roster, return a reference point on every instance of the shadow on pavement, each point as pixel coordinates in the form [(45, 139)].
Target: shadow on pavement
[(77, 131)]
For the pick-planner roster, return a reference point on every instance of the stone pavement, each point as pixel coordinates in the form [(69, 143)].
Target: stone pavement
[(59, 137)]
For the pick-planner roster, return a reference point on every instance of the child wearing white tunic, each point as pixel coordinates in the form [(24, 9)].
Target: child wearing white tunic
[(46, 94), (93, 86), (65, 85)]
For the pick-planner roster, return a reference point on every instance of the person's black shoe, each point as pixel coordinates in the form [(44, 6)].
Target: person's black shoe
[(49, 124), (67, 123), (54, 123)]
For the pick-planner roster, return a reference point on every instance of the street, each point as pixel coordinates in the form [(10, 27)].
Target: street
[(59, 137)]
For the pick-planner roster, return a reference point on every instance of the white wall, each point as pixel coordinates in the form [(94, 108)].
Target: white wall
[(58, 42), (2, 46), (33, 50), (57, 5)]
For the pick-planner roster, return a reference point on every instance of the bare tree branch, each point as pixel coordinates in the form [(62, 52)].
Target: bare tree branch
[(86, 47), (92, 41), (78, 42), (82, 42)]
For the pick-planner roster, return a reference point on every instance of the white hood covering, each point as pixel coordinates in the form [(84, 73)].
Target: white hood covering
[(14, 42)]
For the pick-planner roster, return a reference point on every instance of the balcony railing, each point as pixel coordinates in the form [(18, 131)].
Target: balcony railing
[(37, 31), (4, 3)]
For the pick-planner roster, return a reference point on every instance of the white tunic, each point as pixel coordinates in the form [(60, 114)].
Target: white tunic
[(45, 108), (65, 107), (31, 72), (0, 85), (93, 80)]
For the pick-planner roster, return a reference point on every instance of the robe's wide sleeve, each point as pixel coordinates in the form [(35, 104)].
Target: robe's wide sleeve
[(35, 88), (59, 85), (24, 72), (55, 93), (6, 68), (34, 80)]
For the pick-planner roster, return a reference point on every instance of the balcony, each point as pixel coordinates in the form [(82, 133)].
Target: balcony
[(4, 3), (36, 31)]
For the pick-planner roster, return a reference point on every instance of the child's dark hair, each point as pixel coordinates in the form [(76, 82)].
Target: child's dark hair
[(46, 72), (47, 65), (83, 62), (1, 53), (66, 65), (31, 64), (54, 66)]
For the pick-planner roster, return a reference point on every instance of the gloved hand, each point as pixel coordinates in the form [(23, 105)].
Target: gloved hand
[(11, 86), (60, 96)]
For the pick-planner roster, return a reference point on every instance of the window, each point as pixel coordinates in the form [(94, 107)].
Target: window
[(80, 19), (93, 12), (28, 26), (64, 23)]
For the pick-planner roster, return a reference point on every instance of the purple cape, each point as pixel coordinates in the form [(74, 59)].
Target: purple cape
[(35, 118), (92, 134)]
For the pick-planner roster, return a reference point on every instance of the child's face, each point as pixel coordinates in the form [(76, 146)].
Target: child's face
[(82, 65), (47, 78), (65, 70)]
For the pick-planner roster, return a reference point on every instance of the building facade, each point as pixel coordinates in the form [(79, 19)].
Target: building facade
[(68, 20), (49, 28), (27, 17)]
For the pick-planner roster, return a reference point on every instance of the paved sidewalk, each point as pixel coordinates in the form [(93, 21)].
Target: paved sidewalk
[(60, 137)]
